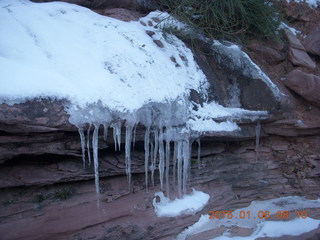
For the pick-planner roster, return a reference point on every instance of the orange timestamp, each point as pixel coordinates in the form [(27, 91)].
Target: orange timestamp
[(259, 215)]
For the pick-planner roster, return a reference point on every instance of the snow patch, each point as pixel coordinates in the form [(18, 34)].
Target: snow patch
[(260, 226), (311, 3), (188, 204)]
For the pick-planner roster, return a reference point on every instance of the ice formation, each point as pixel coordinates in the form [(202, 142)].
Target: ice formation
[(113, 75)]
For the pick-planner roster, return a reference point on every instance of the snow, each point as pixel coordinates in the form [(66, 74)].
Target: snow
[(311, 3), (188, 204), (260, 226), (105, 60), (295, 227)]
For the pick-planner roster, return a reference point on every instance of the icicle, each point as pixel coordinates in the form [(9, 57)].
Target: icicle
[(179, 156), (151, 166), (146, 151), (134, 136), (128, 153), (88, 143), (186, 159), (155, 151), (119, 135), (168, 139), (175, 155), (95, 159), (83, 145), (105, 131), (258, 131), (114, 131), (161, 156), (199, 152)]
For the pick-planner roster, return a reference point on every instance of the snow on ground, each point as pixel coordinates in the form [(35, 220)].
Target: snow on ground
[(311, 3), (188, 204), (260, 225)]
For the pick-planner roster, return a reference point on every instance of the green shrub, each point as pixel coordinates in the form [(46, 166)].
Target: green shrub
[(233, 20)]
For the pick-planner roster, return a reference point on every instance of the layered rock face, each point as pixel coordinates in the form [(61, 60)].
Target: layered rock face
[(45, 193)]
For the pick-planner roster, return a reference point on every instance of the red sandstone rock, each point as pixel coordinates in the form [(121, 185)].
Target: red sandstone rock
[(312, 42), (305, 84), (270, 55), (301, 58), (121, 14)]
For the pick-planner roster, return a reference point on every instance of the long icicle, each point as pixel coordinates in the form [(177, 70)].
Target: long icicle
[(199, 152), (83, 145), (134, 136), (146, 152), (114, 137), (186, 159), (161, 156), (168, 139), (95, 159), (151, 165), (119, 135), (128, 154), (179, 156), (155, 152), (175, 155), (88, 143)]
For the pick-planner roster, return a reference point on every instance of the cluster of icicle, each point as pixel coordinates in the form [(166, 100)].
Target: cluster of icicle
[(165, 125)]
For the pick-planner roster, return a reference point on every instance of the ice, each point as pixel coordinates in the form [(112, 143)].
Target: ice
[(128, 153), (175, 155), (88, 143), (179, 157), (161, 157), (134, 136), (95, 158), (117, 135), (168, 153), (83, 145), (154, 155), (146, 152), (186, 160), (199, 153), (258, 132), (189, 204)]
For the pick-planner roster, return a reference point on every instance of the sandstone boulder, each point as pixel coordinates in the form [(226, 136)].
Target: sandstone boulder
[(121, 14), (297, 53), (270, 55), (312, 42), (305, 84)]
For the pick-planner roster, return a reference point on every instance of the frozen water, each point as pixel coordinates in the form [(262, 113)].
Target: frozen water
[(186, 159), (199, 152), (83, 145), (95, 157), (161, 157), (128, 153), (88, 143), (146, 151)]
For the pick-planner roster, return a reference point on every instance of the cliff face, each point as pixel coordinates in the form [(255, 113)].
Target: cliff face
[(46, 193)]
